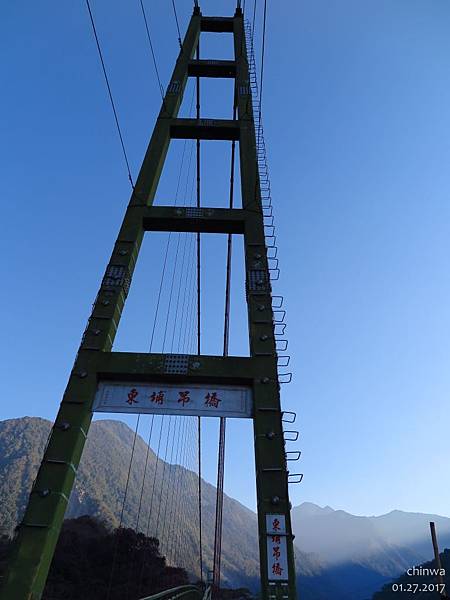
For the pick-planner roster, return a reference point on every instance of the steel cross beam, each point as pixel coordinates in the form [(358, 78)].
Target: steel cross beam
[(95, 362)]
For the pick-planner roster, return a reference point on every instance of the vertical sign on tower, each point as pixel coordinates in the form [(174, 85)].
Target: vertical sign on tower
[(277, 561)]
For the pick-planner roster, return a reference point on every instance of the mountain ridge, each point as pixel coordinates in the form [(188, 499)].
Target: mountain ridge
[(338, 554)]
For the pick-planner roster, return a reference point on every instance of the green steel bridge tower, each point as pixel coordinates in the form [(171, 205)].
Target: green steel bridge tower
[(101, 375)]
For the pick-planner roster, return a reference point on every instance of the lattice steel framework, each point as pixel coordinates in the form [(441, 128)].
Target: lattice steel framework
[(95, 362)]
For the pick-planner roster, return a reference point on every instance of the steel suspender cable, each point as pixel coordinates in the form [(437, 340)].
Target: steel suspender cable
[(145, 473), (219, 508), (254, 19), (110, 93), (144, 559), (198, 206), (199, 424), (150, 349), (226, 338), (226, 332), (113, 566), (262, 67), (199, 455)]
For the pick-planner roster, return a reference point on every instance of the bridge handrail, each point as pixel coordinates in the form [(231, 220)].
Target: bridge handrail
[(180, 592), (208, 593)]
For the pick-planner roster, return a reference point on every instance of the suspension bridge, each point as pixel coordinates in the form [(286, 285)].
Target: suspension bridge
[(180, 385)]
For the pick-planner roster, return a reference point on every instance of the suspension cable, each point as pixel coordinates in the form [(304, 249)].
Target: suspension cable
[(161, 89), (178, 26), (113, 106)]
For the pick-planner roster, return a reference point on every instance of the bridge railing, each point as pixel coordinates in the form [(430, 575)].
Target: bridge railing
[(186, 592)]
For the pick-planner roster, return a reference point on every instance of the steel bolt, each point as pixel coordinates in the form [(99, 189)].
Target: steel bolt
[(44, 493), (105, 302), (83, 374), (270, 435), (265, 380), (275, 500), (264, 338), (123, 252), (261, 307), (96, 331)]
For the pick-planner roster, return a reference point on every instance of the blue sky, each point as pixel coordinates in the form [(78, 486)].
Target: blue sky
[(357, 123)]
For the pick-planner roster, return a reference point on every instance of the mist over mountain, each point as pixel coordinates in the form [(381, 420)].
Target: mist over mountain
[(397, 539), (338, 554), (358, 554)]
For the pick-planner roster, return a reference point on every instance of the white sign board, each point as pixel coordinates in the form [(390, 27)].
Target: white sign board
[(277, 563), (174, 399)]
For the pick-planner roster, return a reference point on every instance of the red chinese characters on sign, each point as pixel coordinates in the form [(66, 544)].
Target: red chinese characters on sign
[(132, 397), (212, 400), (277, 563), (157, 398), (184, 397), (277, 569)]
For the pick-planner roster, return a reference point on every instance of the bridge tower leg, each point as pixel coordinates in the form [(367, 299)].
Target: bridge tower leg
[(38, 532)]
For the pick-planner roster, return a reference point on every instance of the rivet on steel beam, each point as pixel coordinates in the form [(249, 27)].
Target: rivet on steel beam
[(105, 302), (123, 252), (264, 338), (257, 256), (96, 331), (196, 365), (64, 425), (270, 435), (44, 493), (82, 374), (275, 500), (265, 380), (261, 307), (179, 211)]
